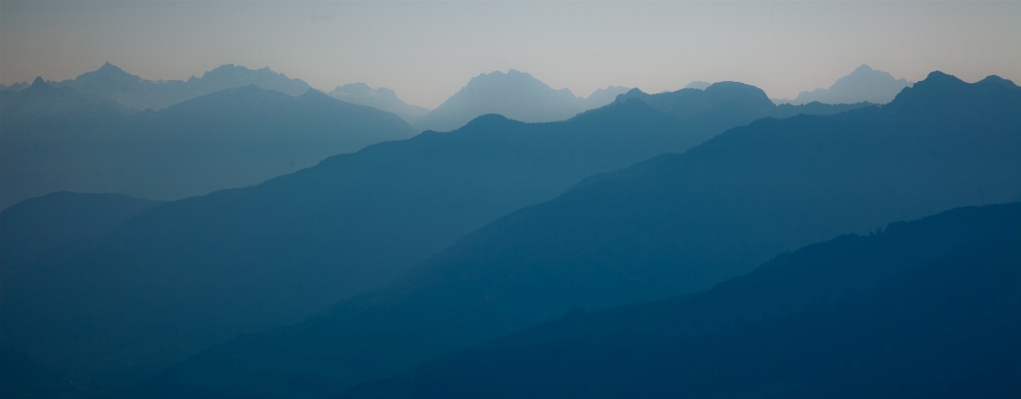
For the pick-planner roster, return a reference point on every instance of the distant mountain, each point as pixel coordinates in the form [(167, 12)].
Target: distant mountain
[(132, 91), (14, 87), (698, 85), (232, 76), (601, 97), (726, 104), (515, 95), (863, 85), (676, 224), (379, 98), (890, 315), (41, 101), (58, 140), (238, 261)]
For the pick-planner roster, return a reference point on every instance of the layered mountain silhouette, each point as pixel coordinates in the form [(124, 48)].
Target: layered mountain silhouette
[(379, 98), (244, 260), (864, 84), (60, 140), (14, 86), (676, 224), (515, 95), (113, 83), (923, 309), (41, 101), (726, 104)]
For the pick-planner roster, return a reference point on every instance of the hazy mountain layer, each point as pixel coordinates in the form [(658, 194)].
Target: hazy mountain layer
[(356, 221), (244, 260), (58, 140), (672, 225), (516, 95), (113, 83), (924, 309), (379, 98), (863, 85)]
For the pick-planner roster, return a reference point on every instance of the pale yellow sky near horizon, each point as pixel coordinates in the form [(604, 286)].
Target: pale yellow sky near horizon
[(426, 50)]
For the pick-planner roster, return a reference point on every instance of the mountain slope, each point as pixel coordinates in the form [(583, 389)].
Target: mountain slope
[(674, 224), (864, 84), (231, 138), (33, 227), (243, 260), (894, 314), (515, 95), (379, 98)]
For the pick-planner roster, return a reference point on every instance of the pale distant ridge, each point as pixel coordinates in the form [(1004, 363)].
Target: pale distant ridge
[(698, 84), (862, 85), (380, 98), (514, 94), (112, 82)]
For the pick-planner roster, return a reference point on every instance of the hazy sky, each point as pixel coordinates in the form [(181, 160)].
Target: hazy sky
[(427, 50)]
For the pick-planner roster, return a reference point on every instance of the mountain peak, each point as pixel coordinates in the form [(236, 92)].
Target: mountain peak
[(111, 69), (698, 85), (863, 68), (39, 82)]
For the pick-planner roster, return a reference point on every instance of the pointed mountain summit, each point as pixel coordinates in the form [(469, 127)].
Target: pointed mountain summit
[(379, 98), (864, 84), (516, 95)]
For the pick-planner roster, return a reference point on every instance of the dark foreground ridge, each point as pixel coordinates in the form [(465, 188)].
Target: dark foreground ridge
[(925, 309)]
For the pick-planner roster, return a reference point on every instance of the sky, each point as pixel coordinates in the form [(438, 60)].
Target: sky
[(427, 50)]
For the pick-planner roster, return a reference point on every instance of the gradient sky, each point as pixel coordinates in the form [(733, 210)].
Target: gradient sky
[(427, 50)]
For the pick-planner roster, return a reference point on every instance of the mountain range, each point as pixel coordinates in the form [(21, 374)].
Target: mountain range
[(243, 260), (379, 98), (113, 83), (515, 95), (921, 309), (673, 225), (56, 139), (864, 84)]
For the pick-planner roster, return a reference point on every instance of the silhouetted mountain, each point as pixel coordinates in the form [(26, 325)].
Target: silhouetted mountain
[(132, 91), (35, 226), (601, 97), (232, 76), (863, 85), (243, 260), (925, 309), (231, 138), (380, 98), (672, 225), (515, 95), (698, 85), (43, 101), (727, 104), (14, 87)]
